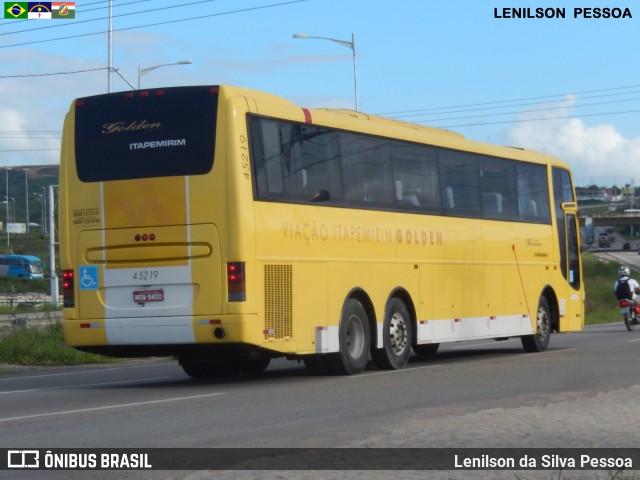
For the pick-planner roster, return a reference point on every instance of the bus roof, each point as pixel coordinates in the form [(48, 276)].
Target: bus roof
[(377, 125), (350, 120)]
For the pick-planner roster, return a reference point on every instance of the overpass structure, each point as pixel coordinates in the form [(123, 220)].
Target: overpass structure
[(613, 219)]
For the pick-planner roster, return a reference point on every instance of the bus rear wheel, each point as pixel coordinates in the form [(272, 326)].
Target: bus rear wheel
[(539, 341), (354, 339), (397, 337)]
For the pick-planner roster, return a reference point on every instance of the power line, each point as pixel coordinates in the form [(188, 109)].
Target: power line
[(30, 150), (506, 101), (77, 22), (533, 110), (12, 132), (52, 74), (563, 100), (32, 137), (65, 24), (520, 120), (262, 7), (440, 126), (435, 116), (115, 70)]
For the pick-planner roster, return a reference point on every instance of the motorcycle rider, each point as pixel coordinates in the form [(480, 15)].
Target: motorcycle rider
[(621, 290)]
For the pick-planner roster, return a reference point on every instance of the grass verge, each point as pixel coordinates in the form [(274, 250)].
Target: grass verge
[(44, 346), (599, 275)]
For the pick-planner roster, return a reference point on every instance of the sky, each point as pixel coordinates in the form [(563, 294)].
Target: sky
[(569, 87)]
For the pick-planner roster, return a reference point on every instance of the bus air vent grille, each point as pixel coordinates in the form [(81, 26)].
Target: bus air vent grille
[(278, 299)]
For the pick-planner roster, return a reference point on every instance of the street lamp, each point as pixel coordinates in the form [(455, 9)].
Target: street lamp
[(143, 71), (12, 208), (344, 43)]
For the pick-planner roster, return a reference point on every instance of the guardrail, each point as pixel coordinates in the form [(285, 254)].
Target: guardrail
[(26, 301), (28, 320), (26, 310), (611, 214)]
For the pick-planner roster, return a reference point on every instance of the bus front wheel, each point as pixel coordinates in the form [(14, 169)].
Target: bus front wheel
[(354, 339), (539, 341)]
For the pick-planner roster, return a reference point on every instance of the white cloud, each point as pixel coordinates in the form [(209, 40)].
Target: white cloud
[(15, 142), (35, 103), (597, 154)]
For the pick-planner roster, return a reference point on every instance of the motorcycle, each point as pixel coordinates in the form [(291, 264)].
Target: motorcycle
[(630, 311)]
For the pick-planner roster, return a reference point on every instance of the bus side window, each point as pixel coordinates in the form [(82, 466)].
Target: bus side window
[(492, 203), (460, 172), (366, 170), (450, 202), (415, 170), (266, 156), (315, 156), (498, 184), (532, 192)]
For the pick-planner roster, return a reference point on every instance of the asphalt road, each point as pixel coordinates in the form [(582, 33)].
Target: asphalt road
[(582, 392), (629, 258)]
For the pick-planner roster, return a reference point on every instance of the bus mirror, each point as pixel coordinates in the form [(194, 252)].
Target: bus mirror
[(588, 230)]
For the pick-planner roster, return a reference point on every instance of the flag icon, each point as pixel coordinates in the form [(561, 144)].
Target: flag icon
[(63, 10), (39, 10), (15, 10)]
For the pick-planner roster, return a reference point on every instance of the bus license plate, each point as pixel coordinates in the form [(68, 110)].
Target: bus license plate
[(144, 296)]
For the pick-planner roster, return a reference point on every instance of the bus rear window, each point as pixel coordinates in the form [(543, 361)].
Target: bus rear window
[(141, 134)]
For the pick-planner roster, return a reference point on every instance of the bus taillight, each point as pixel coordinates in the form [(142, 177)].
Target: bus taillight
[(236, 282), (67, 288)]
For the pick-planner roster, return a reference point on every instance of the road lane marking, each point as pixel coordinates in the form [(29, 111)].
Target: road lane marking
[(109, 407), (76, 372), (385, 372), (82, 385)]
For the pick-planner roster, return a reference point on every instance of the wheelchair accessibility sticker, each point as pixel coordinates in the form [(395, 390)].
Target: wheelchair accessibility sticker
[(89, 278)]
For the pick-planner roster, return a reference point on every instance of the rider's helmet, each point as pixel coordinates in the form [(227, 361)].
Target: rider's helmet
[(624, 271)]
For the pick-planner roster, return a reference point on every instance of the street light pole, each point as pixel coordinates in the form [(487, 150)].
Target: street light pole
[(41, 210), (44, 210), (143, 71), (6, 227), (26, 189), (110, 47), (344, 43)]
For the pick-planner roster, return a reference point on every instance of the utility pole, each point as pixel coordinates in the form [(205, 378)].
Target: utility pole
[(52, 247), (26, 190)]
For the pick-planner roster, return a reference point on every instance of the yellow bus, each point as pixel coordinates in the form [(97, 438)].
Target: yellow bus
[(227, 227)]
